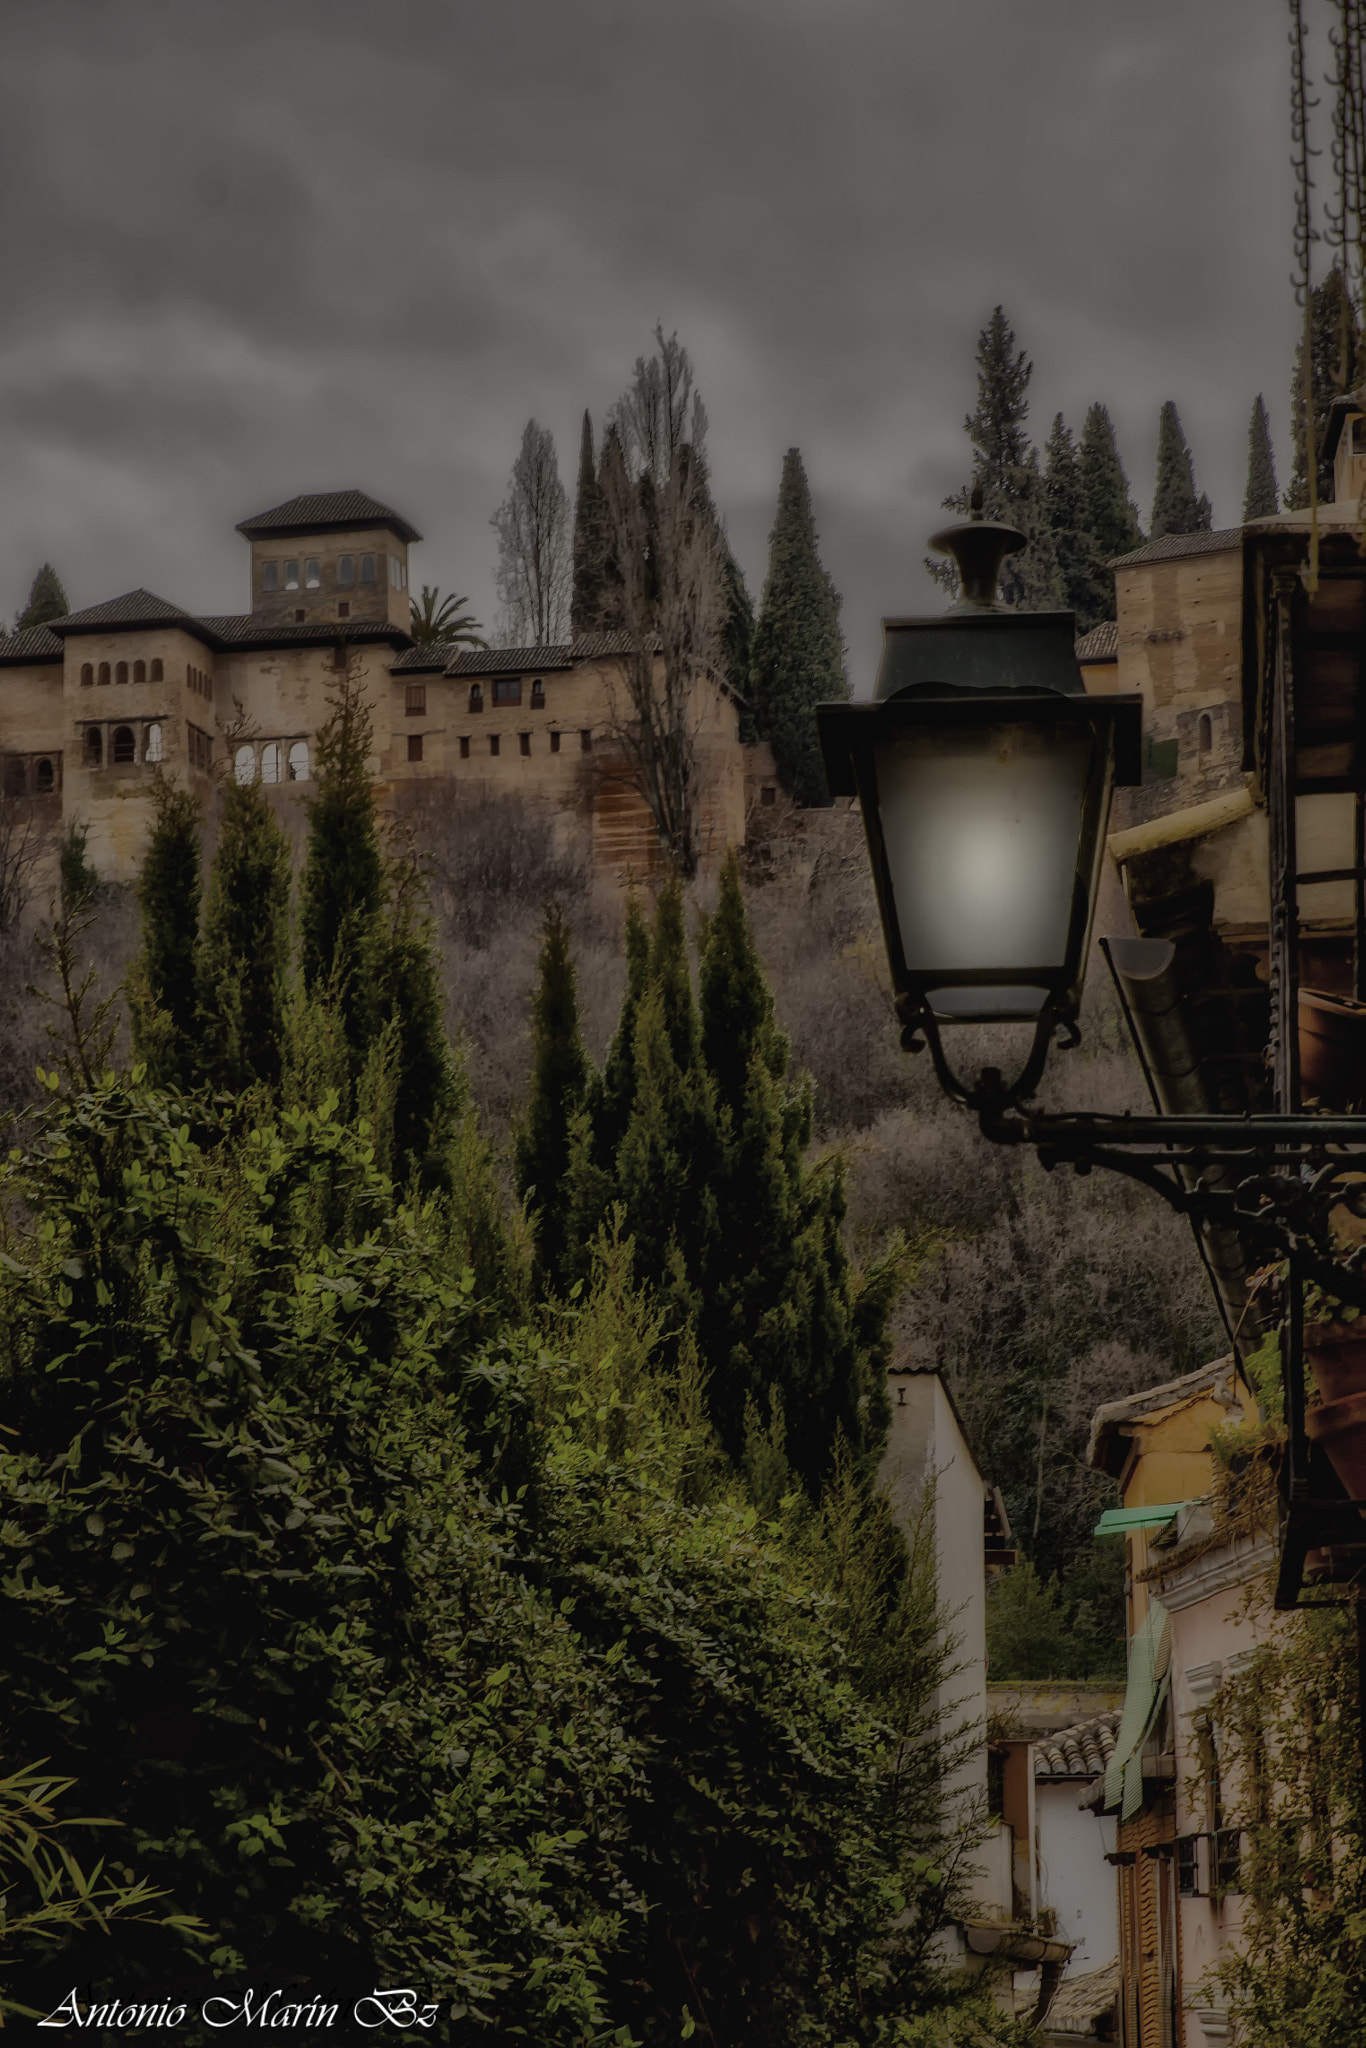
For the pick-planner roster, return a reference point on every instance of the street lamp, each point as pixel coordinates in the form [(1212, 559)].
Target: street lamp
[(984, 773)]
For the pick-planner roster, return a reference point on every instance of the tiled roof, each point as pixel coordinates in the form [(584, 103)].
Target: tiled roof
[(134, 608), (502, 660), (1100, 644), (431, 658), (1174, 544), (1081, 1751), (1080, 2001), (244, 630), (324, 511), (495, 661), (35, 643)]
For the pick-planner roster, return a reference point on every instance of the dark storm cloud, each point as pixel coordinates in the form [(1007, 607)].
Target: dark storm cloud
[(251, 250)]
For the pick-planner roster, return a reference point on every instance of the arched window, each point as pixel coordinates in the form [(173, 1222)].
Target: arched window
[(538, 693), (139, 671), (244, 765), (152, 752), (46, 779), (367, 568), (157, 672), (125, 747), (87, 674), (1206, 732), (298, 761), (270, 761), (94, 746), (476, 696), (104, 671), (121, 672)]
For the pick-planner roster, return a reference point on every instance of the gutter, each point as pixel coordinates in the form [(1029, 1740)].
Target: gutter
[(1013, 1943)]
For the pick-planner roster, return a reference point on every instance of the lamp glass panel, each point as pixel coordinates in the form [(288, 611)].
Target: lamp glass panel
[(982, 829)]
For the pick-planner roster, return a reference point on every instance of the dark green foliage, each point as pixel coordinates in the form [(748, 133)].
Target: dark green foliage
[(243, 967), (606, 573), (46, 600), (164, 984), (1337, 364), (440, 617), (797, 654), (737, 638), (399, 1657), (1260, 500), (342, 889), (1176, 509), (558, 1082), (739, 1237), (1058, 1629), (592, 543), (1088, 586), (1112, 516), (426, 1094), (1005, 468), (77, 879)]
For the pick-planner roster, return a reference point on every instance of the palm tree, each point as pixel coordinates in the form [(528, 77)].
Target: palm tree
[(443, 618)]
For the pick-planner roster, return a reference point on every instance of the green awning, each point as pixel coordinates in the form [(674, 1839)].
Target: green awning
[(1150, 1651), (1117, 1521)]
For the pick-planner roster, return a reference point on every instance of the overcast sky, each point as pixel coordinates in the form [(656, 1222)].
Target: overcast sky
[(249, 250)]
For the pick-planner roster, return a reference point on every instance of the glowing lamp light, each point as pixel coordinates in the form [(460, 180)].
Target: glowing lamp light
[(984, 773)]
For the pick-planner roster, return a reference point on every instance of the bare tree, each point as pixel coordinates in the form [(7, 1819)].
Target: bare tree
[(535, 566), (19, 851), (672, 590)]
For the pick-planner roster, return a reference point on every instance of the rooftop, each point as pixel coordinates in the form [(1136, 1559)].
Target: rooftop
[(1100, 644), (1081, 1751), (474, 661), (134, 608), (35, 643), (325, 512), (1172, 545), (1108, 1446)]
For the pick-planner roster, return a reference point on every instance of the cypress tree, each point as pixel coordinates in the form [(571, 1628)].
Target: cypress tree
[(1338, 362), (590, 542), (427, 1093), (558, 1085), (1260, 499), (163, 983), (1176, 509), (1005, 468), (797, 658), (612, 490), (46, 600), (243, 967), (1111, 513), (343, 875), (1088, 588)]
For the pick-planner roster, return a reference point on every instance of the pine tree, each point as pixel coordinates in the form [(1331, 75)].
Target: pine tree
[(1338, 362), (343, 875), (1176, 509), (163, 983), (559, 1082), (1260, 499), (1005, 468), (243, 966), (1112, 515), (46, 600), (797, 658), (1088, 588)]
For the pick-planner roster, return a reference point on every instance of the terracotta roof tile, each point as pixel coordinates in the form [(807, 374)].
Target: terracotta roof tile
[(1100, 644), (1081, 1751)]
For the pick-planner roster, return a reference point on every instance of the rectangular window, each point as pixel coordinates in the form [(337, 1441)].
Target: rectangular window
[(464, 746), (270, 575), (346, 568), (415, 746), (313, 575), (524, 740), (585, 742), (493, 743), (1228, 1859), (415, 700), (507, 690), (555, 741), (367, 568), (291, 575), (393, 572), (343, 610), (1188, 1866)]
